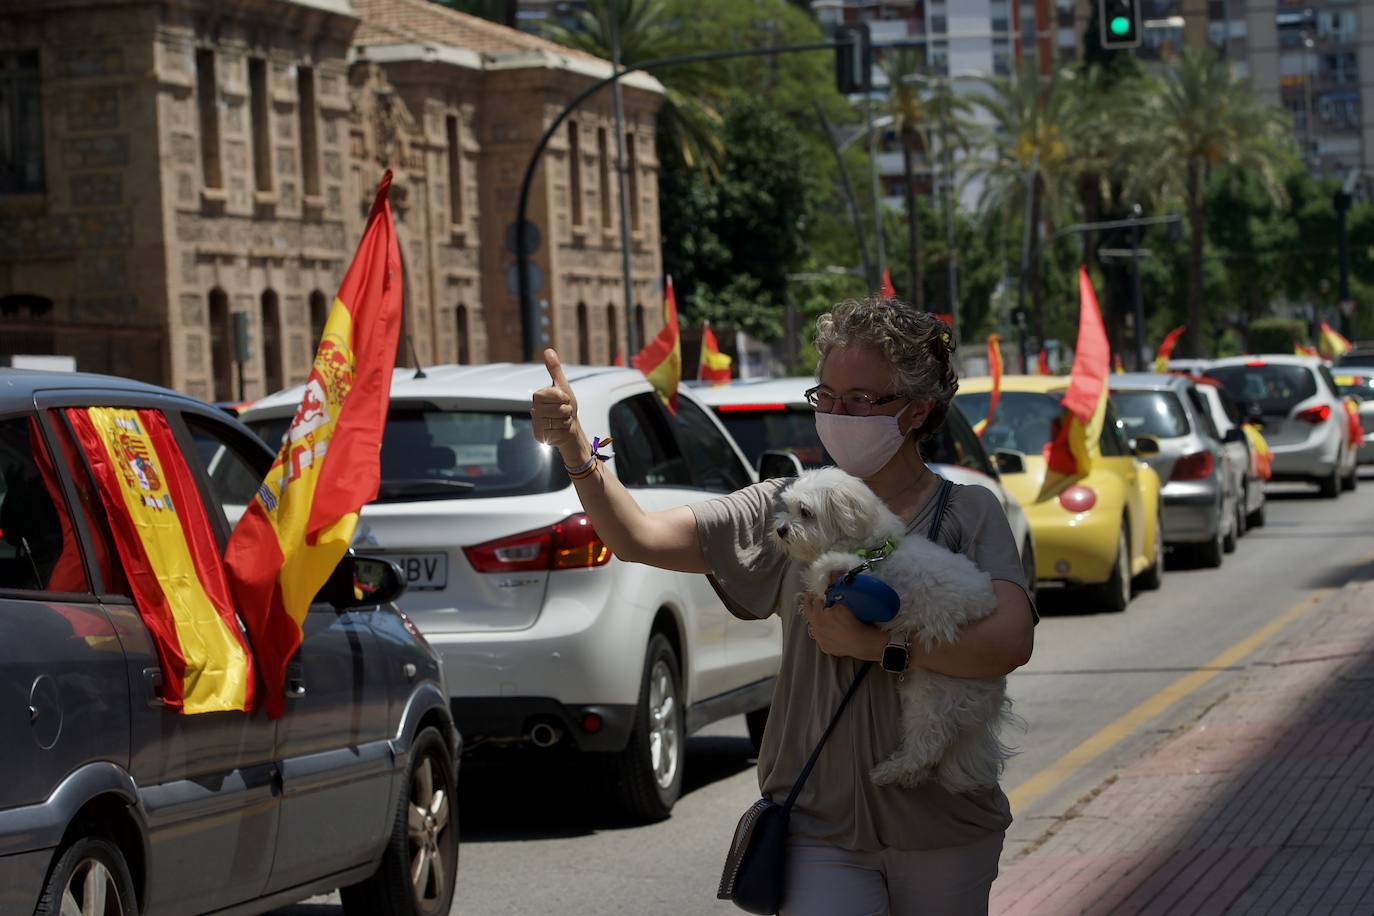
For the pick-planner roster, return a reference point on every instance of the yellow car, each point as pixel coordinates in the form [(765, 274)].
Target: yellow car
[(1099, 532)]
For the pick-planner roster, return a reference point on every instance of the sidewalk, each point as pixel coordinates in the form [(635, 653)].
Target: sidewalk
[(1265, 805)]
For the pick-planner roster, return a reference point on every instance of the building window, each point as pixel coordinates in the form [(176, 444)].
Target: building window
[(309, 115), (464, 336), (612, 335), (584, 336), (271, 341), (455, 172), (639, 324), (574, 174), (21, 124), (603, 157), (207, 100), (221, 345), (319, 314), (632, 186), (260, 108)]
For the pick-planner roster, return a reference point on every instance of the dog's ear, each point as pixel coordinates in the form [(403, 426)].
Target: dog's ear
[(847, 510)]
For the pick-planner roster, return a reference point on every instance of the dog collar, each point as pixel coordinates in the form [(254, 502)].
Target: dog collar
[(881, 552)]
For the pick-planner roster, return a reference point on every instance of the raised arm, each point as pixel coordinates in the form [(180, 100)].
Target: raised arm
[(665, 539)]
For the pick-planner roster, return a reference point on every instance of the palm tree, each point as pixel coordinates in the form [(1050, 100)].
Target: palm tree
[(689, 121), (1203, 117), (1027, 162), (906, 103)]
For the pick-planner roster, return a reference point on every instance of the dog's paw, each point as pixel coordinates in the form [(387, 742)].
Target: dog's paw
[(892, 773)]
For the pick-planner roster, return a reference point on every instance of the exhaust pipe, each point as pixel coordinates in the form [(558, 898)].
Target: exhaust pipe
[(545, 734)]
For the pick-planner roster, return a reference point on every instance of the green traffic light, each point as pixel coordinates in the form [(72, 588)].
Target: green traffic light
[(1119, 25)]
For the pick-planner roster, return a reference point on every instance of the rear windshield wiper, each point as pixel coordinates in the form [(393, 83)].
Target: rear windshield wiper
[(424, 487)]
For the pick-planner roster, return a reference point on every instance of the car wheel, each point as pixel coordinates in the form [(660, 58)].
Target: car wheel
[(1229, 539), (420, 865), (1351, 480), (1241, 503), (1209, 555), (1114, 594), (757, 721), (649, 770), (1257, 518), (1028, 569), (90, 878), (1153, 577), (1329, 487)]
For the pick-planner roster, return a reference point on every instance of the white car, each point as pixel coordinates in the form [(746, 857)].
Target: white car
[(546, 637), (1246, 480), (1302, 414), (771, 415)]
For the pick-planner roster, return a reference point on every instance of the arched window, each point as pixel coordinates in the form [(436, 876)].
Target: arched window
[(221, 345), (640, 331), (464, 336), (271, 341), (584, 342), (612, 334), (319, 313)]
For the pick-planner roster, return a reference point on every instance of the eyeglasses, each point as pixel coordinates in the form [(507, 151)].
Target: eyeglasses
[(857, 404)]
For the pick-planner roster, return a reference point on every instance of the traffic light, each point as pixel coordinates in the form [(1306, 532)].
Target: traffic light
[(853, 59), (1119, 22)]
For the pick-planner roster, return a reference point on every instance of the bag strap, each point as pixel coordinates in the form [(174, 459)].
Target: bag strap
[(941, 503)]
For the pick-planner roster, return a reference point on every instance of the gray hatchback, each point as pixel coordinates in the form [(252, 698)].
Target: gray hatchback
[(113, 803)]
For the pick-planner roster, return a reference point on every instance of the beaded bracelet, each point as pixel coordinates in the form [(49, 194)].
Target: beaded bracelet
[(588, 468)]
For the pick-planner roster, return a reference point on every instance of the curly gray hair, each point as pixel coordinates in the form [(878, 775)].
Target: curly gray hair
[(917, 345)]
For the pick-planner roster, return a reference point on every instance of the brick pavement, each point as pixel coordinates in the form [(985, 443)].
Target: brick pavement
[(1264, 805)]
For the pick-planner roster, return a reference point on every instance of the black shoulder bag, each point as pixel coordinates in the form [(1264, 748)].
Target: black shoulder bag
[(755, 871)]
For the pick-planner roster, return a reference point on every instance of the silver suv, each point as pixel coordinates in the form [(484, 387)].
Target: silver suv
[(108, 794)]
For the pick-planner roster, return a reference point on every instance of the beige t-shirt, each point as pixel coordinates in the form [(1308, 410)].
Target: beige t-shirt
[(839, 803)]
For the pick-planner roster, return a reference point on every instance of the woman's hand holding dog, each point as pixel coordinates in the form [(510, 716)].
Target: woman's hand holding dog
[(838, 632)]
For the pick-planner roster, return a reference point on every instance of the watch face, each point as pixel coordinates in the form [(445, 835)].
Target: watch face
[(894, 659)]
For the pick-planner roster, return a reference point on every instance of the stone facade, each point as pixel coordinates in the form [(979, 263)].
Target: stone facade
[(200, 161)]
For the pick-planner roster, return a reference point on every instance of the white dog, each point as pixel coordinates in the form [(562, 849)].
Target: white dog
[(950, 726)]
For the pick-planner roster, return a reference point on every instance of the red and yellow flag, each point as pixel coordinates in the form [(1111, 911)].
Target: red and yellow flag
[(1331, 343), (1117, 365), (714, 366), (1259, 450), (994, 370), (170, 557), (1077, 438), (301, 522), (1042, 363), (1354, 428), (661, 358), (1300, 349), (1166, 348), (888, 290)]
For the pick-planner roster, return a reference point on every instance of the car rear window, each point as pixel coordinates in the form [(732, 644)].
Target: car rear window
[(432, 453), (1022, 423), (1151, 413), (1275, 388), (785, 429)]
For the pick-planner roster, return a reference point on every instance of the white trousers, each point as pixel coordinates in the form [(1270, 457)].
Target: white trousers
[(824, 880)]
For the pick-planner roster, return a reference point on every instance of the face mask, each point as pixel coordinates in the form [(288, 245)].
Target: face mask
[(861, 446)]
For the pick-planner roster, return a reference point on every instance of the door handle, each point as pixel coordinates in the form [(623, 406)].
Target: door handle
[(152, 677)]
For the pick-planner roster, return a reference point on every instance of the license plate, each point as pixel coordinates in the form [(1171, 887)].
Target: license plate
[(425, 572)]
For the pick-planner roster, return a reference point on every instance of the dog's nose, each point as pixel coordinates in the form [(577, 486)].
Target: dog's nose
[(782, 532)]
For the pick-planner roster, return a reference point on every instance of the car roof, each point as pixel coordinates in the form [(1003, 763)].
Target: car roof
[(500, 383), (788, 390), (23, 384), (1277, 359), (1041, 384), (1147, 381)]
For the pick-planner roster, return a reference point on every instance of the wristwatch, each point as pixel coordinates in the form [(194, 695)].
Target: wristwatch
[(896, 655)]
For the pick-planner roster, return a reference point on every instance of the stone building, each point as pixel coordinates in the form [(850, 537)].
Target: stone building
[(167, 167)]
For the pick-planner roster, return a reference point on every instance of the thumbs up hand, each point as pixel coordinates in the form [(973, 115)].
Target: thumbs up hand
[(553, 412)]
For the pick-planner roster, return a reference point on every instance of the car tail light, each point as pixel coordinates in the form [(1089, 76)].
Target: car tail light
[(1196, 466), (1256, 364), (1078, 498), (749, 408), (1314, 415), (569, 544)]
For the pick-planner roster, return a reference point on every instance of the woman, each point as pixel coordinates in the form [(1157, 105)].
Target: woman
[(886, 381)]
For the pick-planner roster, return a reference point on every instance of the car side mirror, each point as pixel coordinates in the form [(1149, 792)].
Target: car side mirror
[(363, 582), (1234, 434), (776, 463), (1009, 461), (1145, 446)]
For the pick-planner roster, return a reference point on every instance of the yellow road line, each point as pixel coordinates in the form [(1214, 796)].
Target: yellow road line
[(1054, 774)]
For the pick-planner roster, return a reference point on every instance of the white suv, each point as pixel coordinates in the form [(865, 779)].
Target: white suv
[(546, 638)]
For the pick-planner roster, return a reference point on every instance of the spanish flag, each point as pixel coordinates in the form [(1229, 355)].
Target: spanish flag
[(1330, 342), (1259, 449), (1117, 365), (714, 366), (168, 551), (1300, 349), (301, 522), (661, 358), (1077, 435), (994, 370), (888, 291), (1042, 363), (1166, 348)]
